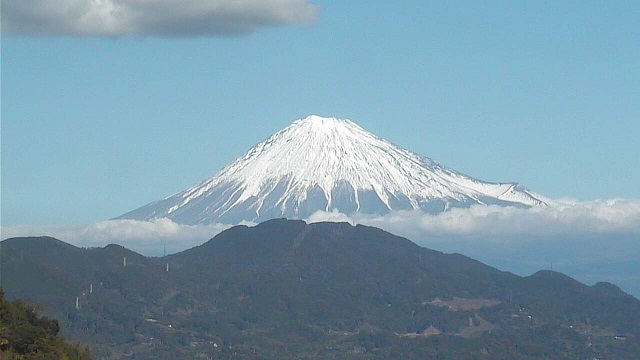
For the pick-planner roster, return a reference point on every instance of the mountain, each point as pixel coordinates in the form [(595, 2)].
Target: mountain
[(328, 164), (289, 290)]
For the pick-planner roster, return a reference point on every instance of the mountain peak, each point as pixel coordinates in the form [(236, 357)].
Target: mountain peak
[(326, 125), (320, 120), (325, 121), (327, 163)]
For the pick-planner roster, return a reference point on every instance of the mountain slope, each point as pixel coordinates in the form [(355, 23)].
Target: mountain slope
[(24, 334), (324, 164), (286, 289)]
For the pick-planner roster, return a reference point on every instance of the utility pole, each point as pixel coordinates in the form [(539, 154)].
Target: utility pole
[(0, 264)]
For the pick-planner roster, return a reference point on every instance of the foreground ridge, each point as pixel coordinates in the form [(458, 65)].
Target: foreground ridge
[(285, 289)]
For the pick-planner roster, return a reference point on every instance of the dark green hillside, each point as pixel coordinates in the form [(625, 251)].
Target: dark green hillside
[(55, 275), (334, 273), (286, 289), (26, 335)]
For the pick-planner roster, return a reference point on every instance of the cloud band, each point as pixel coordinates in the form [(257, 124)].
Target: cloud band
[(166, 18)]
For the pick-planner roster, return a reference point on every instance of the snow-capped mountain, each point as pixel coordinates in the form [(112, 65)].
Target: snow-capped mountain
[(321, 163)]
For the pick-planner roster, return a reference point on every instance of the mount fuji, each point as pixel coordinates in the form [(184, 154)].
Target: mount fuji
[(328, 164)]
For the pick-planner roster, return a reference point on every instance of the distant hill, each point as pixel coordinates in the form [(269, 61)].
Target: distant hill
[(290, 290)]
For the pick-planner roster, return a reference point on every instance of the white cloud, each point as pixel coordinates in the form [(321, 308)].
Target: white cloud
[(494, 224), (591, 241), (167, 18), (614, 216), (330, 216), (146, 237)]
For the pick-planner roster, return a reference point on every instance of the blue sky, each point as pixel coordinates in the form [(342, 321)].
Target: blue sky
[(101, 115), (542, 93)]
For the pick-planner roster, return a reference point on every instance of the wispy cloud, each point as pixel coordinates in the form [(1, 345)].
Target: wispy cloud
[(166, 18), (146, 237), (591, 241), (614, 216), (576, 220)]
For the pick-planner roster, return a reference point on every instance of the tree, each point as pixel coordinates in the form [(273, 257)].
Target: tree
[(25, 335)]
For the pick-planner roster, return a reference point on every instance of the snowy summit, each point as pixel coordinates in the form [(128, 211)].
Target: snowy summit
[(320, 163)]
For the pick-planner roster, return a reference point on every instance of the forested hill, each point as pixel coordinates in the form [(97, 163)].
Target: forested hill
[(290, 290), (26, 335)]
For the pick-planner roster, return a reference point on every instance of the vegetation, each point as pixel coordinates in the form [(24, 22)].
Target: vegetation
[(26, 335), (288, 290)]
